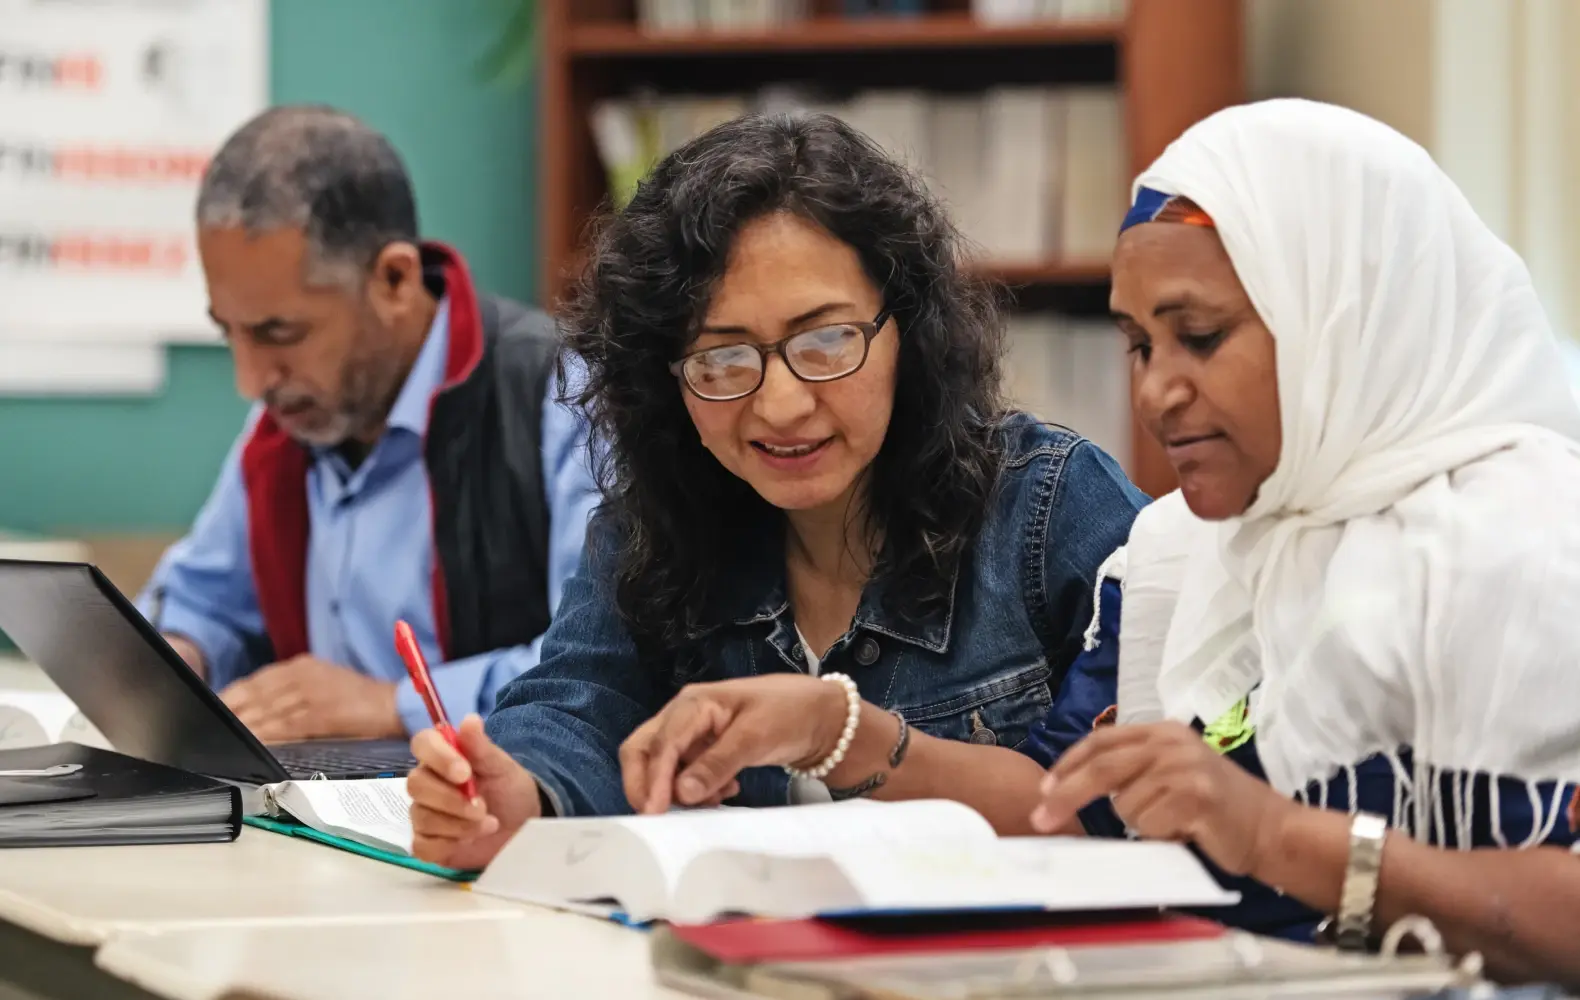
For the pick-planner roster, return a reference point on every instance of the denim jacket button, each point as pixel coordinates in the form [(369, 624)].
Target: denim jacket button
[(867, 652), (980, 733)]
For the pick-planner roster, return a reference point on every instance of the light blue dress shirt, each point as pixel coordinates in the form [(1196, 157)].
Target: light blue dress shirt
[(370, 555)]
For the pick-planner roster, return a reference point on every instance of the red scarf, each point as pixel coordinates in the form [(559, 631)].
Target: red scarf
[(274, 471)]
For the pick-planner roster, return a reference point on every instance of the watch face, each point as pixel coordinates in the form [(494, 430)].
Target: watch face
[(18, 728)]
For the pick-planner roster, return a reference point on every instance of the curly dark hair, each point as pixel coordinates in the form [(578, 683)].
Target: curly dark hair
[(644, 292)]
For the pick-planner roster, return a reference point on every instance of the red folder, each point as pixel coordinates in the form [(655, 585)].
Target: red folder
[(752, 941)]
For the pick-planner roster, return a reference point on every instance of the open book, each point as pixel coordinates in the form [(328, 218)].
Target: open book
[(844, 857), (373, 812), (366, 816)]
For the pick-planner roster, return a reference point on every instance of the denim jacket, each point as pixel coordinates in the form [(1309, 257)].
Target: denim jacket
[(983, 668)]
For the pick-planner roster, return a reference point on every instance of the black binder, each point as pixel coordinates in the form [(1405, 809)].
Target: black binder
[(67, 795)]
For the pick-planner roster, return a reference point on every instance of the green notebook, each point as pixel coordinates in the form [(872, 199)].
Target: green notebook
[(367, 817), (292, 828)]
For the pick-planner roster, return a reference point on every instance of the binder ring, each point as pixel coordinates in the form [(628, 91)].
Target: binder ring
[(1422, 930)]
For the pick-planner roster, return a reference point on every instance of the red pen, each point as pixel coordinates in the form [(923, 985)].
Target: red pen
[(417, 667)]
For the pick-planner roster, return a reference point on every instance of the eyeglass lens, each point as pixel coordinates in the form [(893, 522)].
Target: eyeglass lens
[(819, 355)]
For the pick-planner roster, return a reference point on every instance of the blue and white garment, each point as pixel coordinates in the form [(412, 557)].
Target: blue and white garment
[(1404, 584), (1508, 808)]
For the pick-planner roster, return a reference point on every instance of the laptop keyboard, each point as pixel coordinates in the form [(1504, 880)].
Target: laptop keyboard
[(347, 759)]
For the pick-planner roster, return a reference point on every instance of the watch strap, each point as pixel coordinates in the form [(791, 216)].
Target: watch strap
[(1352, 925)]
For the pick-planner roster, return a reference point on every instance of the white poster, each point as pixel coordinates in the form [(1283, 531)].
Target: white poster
[(109, 110)]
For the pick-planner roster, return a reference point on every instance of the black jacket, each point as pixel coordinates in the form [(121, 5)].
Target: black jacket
[(483, 453)]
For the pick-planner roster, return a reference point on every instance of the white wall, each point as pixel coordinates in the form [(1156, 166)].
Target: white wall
[(1483, 84), (1371, 55)]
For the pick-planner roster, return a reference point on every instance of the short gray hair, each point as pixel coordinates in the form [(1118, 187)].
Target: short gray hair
[(316, 169)]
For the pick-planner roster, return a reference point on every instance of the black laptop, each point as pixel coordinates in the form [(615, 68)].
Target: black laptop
[(126, 680)]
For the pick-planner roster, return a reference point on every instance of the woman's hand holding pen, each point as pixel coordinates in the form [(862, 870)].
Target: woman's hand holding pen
[(449, 830)]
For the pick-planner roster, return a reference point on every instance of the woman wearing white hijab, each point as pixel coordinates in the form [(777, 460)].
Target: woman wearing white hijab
[(1374, 555)]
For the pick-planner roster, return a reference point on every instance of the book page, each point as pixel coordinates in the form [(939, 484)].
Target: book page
[(822, 830), (371, 811), (643, 861), (1054, 873)]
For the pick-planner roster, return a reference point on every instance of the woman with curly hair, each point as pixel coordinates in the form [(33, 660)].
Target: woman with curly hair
[(830, 562)]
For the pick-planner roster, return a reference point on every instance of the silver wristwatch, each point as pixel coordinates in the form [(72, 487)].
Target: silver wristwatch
[(1352, 925)]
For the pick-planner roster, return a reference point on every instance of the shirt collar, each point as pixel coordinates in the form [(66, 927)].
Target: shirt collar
[(410, 411)]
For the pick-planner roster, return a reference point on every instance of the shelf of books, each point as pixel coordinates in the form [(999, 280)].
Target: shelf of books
[(1028, 117), (833, 34)]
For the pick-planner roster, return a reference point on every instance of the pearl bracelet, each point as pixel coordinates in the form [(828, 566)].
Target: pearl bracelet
[(852, 719)]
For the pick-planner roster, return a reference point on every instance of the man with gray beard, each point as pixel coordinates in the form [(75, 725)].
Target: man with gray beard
[(408, 456)]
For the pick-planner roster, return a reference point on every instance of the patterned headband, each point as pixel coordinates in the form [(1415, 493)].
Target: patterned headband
[(1155, 206)]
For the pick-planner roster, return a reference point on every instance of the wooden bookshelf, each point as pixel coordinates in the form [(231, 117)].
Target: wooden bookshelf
[(1175, 60), (1053, 272), (837, 34)]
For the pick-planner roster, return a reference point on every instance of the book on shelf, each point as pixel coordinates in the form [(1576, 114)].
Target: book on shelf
[(919, 857), (728, 15), (1031, 11), (1030, 174), (1072, 371), (747, 15), (1095, 182), (884, 8)]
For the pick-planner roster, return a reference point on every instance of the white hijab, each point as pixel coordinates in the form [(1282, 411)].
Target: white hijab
[(1409, 575)]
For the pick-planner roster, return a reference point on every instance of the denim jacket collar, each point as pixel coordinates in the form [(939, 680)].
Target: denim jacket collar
[(756, 592)]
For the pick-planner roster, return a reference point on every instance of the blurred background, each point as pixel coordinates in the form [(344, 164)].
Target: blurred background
[(518, 119)]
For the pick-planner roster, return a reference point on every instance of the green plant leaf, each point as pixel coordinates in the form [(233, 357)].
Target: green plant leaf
[(510, 60)]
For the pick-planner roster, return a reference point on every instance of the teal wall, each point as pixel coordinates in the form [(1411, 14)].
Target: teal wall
[(411, 69)]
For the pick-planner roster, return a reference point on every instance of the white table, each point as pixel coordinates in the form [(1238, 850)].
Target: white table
[(270, 915), (273, 916), (87, 895), (19, 674), (530, 953)]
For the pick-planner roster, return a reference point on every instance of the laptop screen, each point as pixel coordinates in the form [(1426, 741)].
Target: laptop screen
[(126, 680)]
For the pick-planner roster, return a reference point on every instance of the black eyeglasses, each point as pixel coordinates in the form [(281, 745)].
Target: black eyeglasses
[(720, 374)]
